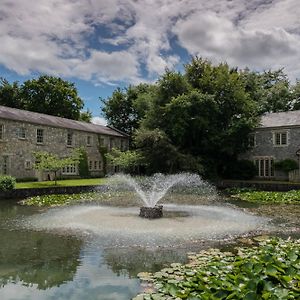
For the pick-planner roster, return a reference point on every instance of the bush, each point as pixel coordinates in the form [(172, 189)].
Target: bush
[(7, 183), (241, 169), (286, 165)]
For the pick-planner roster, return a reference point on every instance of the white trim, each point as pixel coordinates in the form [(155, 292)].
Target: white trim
[(265, 166), (280, 132)]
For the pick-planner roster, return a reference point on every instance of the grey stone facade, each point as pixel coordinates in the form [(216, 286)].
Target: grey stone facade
[(18, 141), (274, 141)]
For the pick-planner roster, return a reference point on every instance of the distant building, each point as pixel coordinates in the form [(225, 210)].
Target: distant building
[(24, 132), (277, 138)]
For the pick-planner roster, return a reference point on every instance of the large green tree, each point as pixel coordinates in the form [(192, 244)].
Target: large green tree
[(53, 96), (46, 94), (125, 108)]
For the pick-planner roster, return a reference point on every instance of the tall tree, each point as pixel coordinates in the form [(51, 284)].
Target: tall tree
[(125, 108), (51, 95)]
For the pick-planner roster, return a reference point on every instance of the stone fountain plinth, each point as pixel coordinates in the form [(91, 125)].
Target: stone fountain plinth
[(151, 212)]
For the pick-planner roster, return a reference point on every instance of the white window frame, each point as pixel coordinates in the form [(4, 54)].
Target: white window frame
[(254, 135), (265, 166), (280, 133), (70, 170), (21, 133), (1, 132), (89, 140), (27, 165), (40, 136)]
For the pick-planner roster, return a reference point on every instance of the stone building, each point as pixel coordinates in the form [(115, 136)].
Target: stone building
[(277, 138), (24, 132)]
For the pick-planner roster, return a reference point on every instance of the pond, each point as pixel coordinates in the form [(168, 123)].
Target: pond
[(60, 254)]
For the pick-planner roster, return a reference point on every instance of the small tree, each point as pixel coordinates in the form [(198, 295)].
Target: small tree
[(127, 160), (46, 161)]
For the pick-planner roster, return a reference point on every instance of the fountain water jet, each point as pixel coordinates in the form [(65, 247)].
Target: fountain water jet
[(152, 189)]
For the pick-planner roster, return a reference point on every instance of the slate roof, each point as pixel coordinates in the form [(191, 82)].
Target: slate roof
[(47, 120), (280, 119)]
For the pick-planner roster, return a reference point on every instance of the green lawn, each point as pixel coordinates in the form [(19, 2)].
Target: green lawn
[(69, 182)]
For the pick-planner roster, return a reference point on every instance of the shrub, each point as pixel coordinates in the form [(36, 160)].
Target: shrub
[(83, 166), (7, 183), (286, 165)]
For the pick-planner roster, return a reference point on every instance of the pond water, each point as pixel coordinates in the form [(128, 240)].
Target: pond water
[(60, 254)]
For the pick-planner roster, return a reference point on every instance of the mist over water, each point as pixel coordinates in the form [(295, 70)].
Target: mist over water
[(153, 188)]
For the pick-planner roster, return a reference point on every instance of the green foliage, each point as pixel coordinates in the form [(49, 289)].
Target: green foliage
[(125, 108), (157, 150), (7, 183), (267, 271), (240, 169), (286, 165), (10, 94), (126, 160), (290, 197), (46, 94), (83, 166), (46, 161), (85, 116)]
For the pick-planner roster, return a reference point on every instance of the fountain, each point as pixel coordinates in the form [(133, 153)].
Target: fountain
[(192, 212), (152, 189)]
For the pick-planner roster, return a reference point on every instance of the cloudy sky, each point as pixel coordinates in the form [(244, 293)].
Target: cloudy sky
[(101, 44)]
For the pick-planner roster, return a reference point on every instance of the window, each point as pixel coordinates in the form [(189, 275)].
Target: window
[(70, 139), (1, 132), (95, 165), (102, 142), (111, 143), (264, 166), (69, 170), (40, 136), (252, 140), (88, 140), (280, 138), (21, 133), (27, 164)]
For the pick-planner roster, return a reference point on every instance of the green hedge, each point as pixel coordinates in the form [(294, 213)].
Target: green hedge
[(7, 183)]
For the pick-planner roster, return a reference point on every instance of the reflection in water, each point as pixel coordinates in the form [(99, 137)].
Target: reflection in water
[(45, 260)]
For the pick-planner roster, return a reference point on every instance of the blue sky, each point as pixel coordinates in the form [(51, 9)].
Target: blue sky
[(101, 45)]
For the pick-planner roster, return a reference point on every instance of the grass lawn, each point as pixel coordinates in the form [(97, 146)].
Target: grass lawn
[(69, 182)]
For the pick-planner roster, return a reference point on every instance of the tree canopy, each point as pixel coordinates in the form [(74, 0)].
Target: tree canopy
[(198, 119), (46, 94)]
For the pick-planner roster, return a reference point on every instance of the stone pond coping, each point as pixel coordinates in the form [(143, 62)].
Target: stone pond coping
[(258, 185), (30, 192), (222, 184)]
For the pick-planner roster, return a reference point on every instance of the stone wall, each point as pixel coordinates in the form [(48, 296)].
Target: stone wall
[(18, 152), (265, 147)]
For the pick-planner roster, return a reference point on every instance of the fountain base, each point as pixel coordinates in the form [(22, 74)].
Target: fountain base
[(151, 212)]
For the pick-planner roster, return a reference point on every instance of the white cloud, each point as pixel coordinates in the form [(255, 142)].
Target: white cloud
[(64, 37), (99, 121)]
